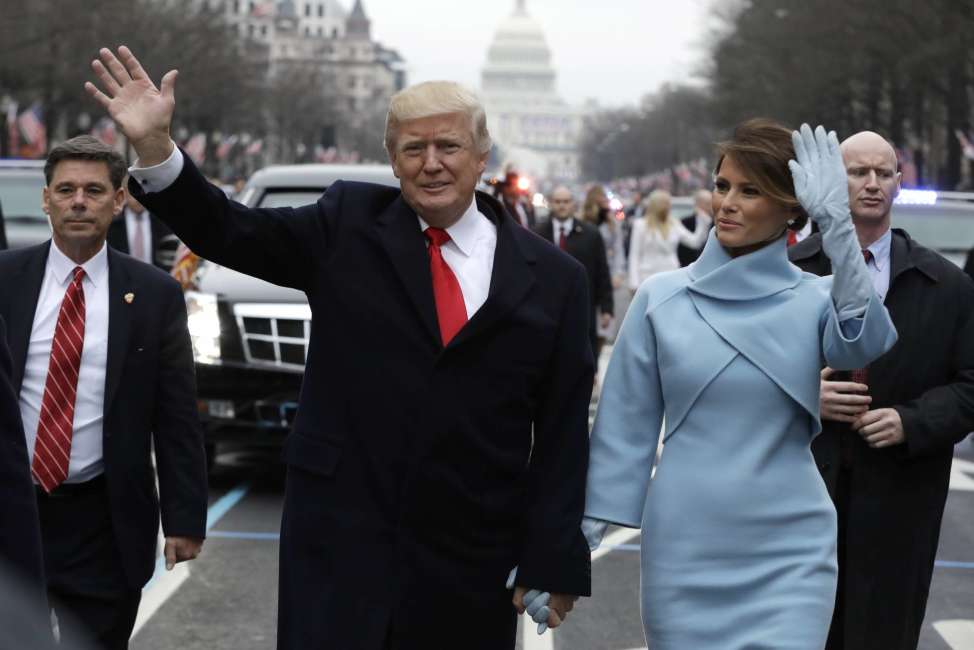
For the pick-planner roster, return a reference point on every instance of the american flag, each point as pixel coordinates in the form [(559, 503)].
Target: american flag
[(254, 147), (13, 132), (104, 130), (261, 9), (226, 146), (196, 148), (32, 128), (185, 266)]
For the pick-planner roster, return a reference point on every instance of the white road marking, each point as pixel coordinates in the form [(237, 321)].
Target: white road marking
[(615, 538), (164, 586), (959, 634), (961, 473)]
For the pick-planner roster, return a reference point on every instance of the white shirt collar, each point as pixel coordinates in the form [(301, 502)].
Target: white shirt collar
[(464, 231), (565, 226), (135, 215), (880, 250), (62, 266)]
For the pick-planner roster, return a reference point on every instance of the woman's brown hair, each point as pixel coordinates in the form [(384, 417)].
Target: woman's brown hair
[(762, 148)]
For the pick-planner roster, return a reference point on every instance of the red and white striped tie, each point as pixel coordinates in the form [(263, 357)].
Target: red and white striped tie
[(52, 451)]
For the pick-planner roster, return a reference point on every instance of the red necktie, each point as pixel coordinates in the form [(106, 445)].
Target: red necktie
[(450, 309), (52, 451), (860, 375), (562, 240), (792, 237)]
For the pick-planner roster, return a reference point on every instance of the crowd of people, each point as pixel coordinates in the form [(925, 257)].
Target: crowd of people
[(440, 472)]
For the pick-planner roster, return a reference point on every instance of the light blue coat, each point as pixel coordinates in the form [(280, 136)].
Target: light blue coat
[(738, 532)]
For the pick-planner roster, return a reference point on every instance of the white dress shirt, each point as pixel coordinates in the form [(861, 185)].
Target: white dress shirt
[(469, 253), (131, 226), (89, 408), (879, 265), (559, 227)]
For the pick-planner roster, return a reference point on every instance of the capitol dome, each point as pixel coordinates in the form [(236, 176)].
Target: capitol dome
[(519, 60)]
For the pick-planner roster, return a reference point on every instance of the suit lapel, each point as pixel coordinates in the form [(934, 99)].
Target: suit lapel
[(120, 314), (512, 276), (23, 305), (401, 237)]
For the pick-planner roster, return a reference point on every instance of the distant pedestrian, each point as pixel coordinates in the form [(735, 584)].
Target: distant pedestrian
[(702, 200), (582, 241), (596, 211), (655, 237), (889, 429)]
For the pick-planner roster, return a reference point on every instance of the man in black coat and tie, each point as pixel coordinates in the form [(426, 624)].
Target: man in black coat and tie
[(441, 437), (103, 366), (584, 242), (889, 430), (142, 235), (702, 205)]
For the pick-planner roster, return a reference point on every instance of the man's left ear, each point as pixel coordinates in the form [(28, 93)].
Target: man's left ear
[(119, 200), (899, 179)]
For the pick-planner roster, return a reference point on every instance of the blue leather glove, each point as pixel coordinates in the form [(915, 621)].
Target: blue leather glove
[(822, 188)]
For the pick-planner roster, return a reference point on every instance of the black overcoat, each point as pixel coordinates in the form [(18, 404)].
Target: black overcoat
[(898, 493), (586, 245), (417, 475)]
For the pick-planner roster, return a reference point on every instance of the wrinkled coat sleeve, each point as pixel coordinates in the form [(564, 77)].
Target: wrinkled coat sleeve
[(627, 426), (555, 555), (944, 415), (856, 342), (278, 245)]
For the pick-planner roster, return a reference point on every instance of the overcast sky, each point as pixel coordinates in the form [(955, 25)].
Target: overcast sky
[(611, 50)]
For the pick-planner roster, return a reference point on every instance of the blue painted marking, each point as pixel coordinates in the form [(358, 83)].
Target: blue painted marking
[(230, 534), (213, 514), (947, 564)]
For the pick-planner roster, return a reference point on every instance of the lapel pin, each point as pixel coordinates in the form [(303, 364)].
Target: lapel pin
[(129, 297)]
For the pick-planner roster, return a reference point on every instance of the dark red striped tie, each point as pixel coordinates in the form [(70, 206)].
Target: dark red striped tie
[(450, 309), (52, 451)]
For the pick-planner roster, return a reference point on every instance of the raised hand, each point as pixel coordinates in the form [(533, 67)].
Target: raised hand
[(821, 184), (142, 111)]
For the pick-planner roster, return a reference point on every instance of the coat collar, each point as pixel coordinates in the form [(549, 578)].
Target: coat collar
[(512, 276), (762, 273), (29, 278), (905, 254)]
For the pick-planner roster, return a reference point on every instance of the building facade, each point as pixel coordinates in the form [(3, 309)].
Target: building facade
[(533, 128)]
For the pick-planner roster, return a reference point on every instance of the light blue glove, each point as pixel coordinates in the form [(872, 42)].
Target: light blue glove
[(822, 188), (594, 531), (535, 603)]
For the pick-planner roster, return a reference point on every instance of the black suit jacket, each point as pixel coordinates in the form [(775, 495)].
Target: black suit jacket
[(20, 539), (418, 476), (586, 245), (150, 399), (685, 254), (969, 264), (898, 493), (511, 207), (119, 240)]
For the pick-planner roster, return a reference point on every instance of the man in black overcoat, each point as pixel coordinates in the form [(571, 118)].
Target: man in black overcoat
[(441, 436), (584, 242), (889, 431), (701, 206)]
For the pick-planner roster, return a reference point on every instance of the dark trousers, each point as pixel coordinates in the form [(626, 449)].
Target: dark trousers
[(86, 584)]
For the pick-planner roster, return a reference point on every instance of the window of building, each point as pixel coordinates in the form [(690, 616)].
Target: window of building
[(236, 6), (321, 31), (263, 30), (307, 10), (307, 31), (251, 6), (334, 32), (250, 30), (321, 10)]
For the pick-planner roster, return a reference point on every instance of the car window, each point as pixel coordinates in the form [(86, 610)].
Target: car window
[(941, 227), (289, 198), (20, 196)]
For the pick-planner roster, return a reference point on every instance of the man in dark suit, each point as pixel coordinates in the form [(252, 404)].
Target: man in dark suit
[(889, 430), (103, 365), (142, 235), (702, 205), (969, 264), (515, 202), (3, 231), (584, 242), (441, 436)]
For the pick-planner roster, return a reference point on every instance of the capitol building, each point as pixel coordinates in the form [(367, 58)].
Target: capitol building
[(532, 127)]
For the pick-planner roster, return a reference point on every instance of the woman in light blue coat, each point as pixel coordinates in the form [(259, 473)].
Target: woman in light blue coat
[(738, 532)]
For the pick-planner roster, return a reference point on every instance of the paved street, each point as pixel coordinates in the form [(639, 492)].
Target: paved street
[(228, 598)]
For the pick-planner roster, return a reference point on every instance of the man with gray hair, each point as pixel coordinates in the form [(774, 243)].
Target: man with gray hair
[(888, 431), (441, 436)]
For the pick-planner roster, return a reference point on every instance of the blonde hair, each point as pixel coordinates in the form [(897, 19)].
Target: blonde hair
[(436, 98), (656, 211)]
